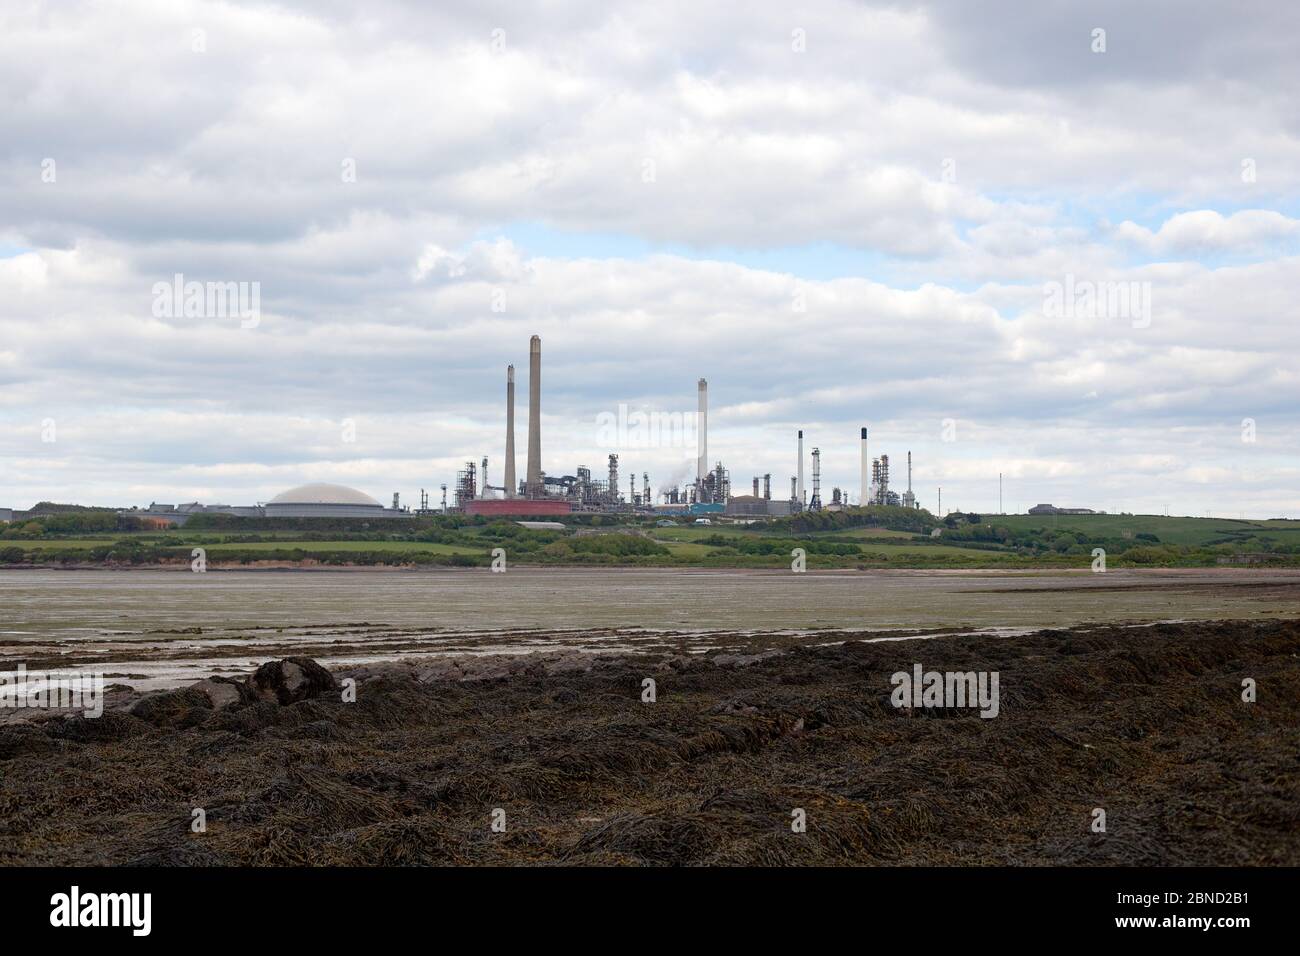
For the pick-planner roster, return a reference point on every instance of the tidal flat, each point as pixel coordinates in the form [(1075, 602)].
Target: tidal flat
[(162, 628)]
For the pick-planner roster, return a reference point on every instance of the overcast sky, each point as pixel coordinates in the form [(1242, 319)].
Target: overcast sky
[(840, 214)]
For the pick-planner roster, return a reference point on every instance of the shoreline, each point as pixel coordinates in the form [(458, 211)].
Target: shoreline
[(126, 688)]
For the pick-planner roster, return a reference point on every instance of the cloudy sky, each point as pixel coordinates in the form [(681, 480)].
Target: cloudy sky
[(841, 214)]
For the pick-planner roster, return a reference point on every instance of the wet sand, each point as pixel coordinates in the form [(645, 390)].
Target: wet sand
[(159, 628)]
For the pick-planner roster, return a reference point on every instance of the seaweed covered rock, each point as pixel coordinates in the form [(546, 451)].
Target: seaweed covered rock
[(292, 679), (109, 726), (249, 720), (20, 740), (173, 708), (224, 692)]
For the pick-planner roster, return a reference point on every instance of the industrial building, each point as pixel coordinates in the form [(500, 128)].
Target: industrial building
[(323, 500), (161, 515), (1053, 510), (513, 507), (750, 506), (760, 503)]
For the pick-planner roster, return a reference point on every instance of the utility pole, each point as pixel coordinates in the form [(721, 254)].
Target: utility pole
[(940, 501), (1000, 511)]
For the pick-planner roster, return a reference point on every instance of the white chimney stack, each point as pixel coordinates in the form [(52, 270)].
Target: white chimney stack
[(702, 434), (511, 485), (533, 477), (798, 491)]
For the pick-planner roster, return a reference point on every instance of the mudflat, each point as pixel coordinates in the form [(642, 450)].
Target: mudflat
[(152, 629)]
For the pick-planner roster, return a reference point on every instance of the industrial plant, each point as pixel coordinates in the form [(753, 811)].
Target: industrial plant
[(710, 492), (613, 492)]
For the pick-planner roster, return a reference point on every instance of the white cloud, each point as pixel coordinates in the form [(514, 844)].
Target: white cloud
[(1205, 230), (652, 189)]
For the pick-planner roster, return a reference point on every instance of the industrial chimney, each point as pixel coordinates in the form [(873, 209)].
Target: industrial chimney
[(866, 470), (816, 504), (534, 477), (511, 484), (702, 436), (909, 499), (798, 488)]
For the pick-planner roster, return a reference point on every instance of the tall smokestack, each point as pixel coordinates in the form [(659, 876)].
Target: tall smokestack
[(511, 484), (798, 488), (866, 469), (816, 504), (702, 434), (535, 417)]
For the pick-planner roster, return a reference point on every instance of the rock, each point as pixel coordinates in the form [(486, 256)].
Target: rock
[(109, 726), (447, 668), (224, 692), (175, 708), (734, 705), (292, 679), (743, 660)]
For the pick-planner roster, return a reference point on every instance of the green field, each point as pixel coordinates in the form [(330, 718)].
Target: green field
[(1195, 532), (886, 537)]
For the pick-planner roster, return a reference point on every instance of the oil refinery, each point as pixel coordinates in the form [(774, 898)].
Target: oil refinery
[(611, 492), (710, 492)]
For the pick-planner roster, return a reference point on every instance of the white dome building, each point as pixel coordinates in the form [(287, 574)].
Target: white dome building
[(321, 500)]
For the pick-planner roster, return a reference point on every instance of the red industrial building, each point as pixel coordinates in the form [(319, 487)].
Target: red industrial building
[(516, 507)]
